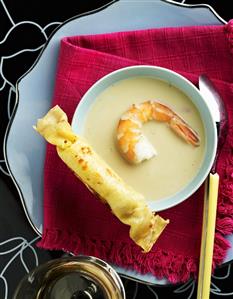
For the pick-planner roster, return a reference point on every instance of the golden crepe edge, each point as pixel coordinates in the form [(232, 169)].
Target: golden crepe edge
[(125, 203)]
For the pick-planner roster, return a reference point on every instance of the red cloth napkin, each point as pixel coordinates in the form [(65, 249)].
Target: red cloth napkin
[(74, 219)]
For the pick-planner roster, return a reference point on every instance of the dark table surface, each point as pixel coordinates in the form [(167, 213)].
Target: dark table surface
[(18, 251)]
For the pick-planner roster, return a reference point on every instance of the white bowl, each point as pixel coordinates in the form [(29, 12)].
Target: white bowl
[(187, 88)]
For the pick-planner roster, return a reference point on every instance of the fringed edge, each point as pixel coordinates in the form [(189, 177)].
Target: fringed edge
[(224, 222), (221, 245), (229, 32), (176, 268)]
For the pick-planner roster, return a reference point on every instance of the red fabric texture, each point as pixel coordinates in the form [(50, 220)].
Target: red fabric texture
[(74, 219)]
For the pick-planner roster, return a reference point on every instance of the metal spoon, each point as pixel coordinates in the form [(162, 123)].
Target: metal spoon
[(218, 110)]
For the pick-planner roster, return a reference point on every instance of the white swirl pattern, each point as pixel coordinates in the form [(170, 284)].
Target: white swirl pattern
[(19, 251), (7, 83)]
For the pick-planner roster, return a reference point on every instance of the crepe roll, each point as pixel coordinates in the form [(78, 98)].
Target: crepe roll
[(125, 203)]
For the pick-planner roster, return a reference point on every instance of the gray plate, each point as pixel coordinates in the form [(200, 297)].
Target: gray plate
[(25, 150)]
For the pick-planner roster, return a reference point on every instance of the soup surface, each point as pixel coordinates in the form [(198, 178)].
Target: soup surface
[(176, 162)]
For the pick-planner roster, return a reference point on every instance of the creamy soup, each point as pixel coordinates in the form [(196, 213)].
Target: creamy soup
[(176, 162)]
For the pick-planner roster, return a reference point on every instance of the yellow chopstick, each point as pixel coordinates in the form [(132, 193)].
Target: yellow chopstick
[(203, 241), (208, 232)]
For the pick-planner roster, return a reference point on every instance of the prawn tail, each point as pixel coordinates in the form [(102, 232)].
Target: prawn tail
[(181, 128)]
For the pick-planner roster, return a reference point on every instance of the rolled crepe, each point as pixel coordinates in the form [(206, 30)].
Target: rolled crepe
[(126, 204)]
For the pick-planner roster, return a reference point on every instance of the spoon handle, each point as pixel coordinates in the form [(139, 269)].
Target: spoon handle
[(222, 132)]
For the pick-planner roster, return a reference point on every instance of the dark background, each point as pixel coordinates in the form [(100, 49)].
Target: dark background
[(18, 253)]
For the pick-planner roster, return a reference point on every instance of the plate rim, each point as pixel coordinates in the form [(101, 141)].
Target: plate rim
[(212, 10)]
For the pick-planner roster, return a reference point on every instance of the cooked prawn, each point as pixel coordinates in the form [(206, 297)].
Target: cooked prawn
[(133, 145)]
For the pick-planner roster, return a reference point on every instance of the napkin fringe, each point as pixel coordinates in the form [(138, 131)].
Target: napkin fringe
[(176, 268), (221, 245), (224, 223)]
